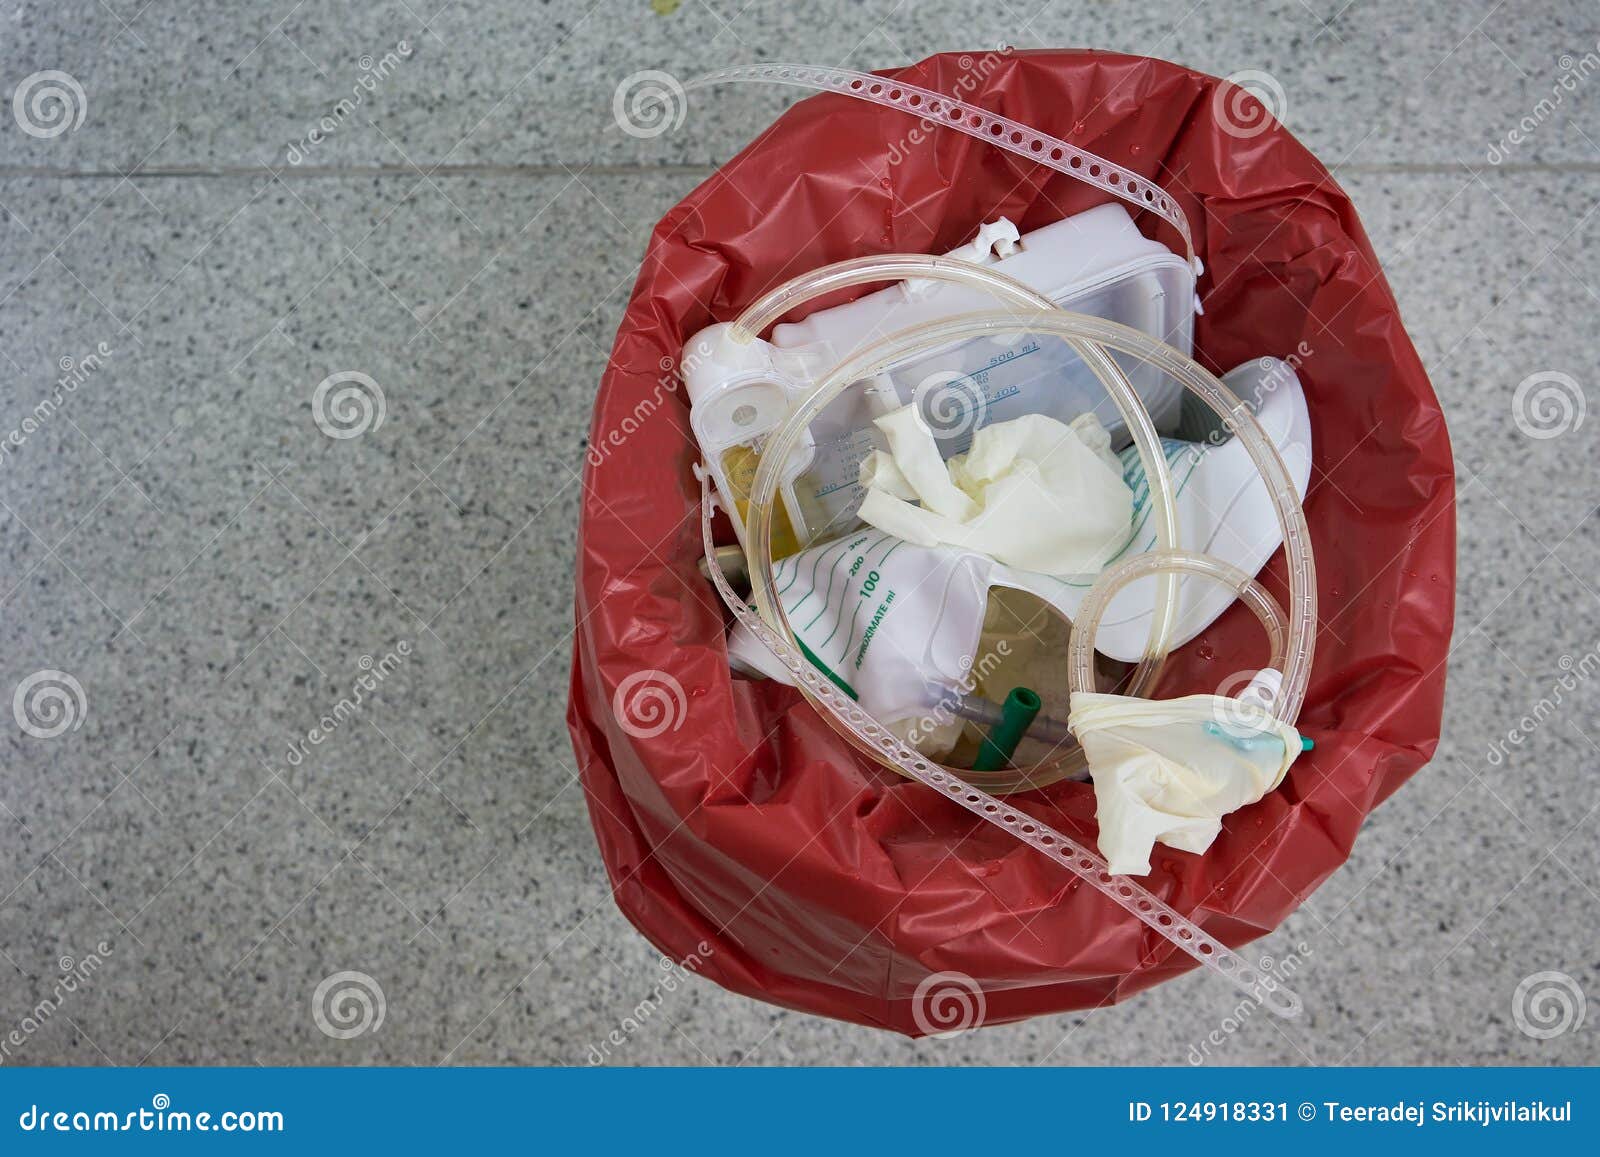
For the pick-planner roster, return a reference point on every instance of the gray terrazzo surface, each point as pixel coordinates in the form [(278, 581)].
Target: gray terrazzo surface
[(180, 539)]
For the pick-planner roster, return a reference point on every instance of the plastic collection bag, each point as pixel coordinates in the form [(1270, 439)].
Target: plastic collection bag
[(826, 884)]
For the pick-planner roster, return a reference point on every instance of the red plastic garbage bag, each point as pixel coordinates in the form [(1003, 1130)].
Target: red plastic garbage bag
[(735, 824)]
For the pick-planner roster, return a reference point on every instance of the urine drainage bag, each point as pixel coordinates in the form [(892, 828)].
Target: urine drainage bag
[(728, 812)]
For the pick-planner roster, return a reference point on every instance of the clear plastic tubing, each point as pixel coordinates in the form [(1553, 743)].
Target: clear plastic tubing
[(1029, 308), (1093, 338), (772, 305), (1080, 648), (953, 112)]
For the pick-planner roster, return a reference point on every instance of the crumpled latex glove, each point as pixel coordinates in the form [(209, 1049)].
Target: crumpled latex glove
[(1167, 771), (1032, 492)]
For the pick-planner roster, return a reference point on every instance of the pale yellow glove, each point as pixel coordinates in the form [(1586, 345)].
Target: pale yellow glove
[(1167, 771)]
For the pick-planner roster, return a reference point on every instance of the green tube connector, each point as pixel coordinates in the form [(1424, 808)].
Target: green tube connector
[(1016, 716)]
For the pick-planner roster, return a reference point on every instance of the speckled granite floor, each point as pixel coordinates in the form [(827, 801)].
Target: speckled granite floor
[(205, 571)]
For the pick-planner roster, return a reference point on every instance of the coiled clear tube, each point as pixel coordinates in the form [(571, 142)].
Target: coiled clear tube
[(962, 116), (1027, 307), (1093, 338), (1080, 648)]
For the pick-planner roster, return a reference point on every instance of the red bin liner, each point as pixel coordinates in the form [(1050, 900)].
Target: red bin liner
[(735, 824)]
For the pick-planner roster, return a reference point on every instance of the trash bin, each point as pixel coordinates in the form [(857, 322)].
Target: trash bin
[(736, 825)]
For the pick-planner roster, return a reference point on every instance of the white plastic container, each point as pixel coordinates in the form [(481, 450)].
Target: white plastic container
[(1096, 263)]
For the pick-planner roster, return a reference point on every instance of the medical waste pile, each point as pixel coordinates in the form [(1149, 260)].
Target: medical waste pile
[(968, 504)]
